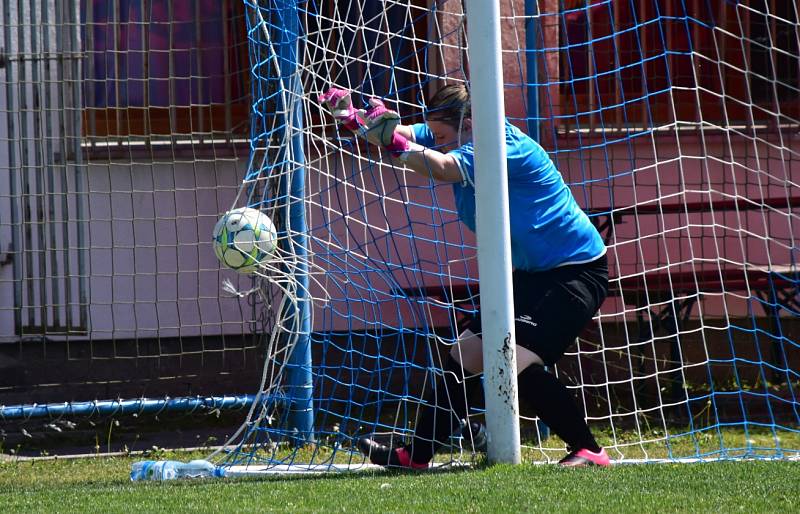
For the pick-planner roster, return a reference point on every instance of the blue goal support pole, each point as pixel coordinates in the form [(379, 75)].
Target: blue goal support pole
[(299, 386), (183, 405), (532, 67)]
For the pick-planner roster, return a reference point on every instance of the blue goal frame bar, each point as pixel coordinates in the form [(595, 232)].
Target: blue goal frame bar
[(299, 365)]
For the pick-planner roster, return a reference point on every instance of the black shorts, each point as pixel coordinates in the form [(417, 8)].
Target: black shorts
[(552, 307)]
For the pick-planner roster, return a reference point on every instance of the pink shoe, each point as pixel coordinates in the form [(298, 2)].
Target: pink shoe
[(583, 458), (405, 460), (383, 455)]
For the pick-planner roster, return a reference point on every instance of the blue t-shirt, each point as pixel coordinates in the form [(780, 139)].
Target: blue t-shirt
[(548, 228)]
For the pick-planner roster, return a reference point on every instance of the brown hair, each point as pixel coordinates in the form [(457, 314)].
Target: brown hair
[(450, 104)]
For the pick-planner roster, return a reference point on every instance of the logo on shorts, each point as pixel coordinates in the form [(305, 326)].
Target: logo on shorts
[(527, 319)]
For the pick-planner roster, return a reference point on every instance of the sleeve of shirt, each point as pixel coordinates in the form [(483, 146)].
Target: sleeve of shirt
[(423, 135), (465, 155), (465, 158), (527, 161)]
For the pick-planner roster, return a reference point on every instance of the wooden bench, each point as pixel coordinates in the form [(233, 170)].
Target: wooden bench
[(659, 286), (669, 297), (781, 283), (605, 218)]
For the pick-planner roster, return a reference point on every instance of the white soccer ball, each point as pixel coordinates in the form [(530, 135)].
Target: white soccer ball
[(244, 238)]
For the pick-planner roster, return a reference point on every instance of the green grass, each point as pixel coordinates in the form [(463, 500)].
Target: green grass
[(102, 485)]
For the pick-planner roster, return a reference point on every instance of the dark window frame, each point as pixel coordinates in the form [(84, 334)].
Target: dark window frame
[(612, 100), (118, 117)]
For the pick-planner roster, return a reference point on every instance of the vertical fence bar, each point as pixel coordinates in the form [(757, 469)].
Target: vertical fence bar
[(28, 206), (198, 81), (77, 86), (492, 224), (147, 125), (36, 148), (173, 94), (12, 65), (227, 37), (118, 103), (86, 19), (64, 141), (48, 108)]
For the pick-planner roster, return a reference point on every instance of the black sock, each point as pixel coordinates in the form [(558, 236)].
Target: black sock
[(445, 406), (556, 407)]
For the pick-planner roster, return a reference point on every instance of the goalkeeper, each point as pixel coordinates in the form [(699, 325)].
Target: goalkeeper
[(560, 275)]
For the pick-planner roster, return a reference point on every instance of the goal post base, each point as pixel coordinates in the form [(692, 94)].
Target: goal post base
[(323, 469)]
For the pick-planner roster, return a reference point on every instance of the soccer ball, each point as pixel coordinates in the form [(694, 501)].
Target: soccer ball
[(244, 238)]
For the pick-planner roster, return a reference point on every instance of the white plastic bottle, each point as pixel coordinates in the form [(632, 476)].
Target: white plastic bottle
[(171, 469)]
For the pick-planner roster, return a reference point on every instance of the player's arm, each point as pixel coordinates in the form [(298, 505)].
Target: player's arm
[(381, 126), (406, 131), (424, 161)]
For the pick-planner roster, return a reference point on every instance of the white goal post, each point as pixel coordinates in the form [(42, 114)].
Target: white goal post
[(493, 233)]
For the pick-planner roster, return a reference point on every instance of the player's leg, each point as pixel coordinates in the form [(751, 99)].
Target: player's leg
[(547, 324), (556, 407), (551, 310), (445, 404), (469, 353), (550, 399), (443, 407)]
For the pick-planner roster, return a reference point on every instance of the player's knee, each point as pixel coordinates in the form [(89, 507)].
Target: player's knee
[(469, 352), (527, 358), (534, 369), (471, 361)]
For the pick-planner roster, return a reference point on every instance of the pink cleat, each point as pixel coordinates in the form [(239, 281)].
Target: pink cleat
[(383, 455), (583, 458)]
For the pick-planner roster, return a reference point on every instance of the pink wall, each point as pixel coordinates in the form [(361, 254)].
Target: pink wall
[(150, 268), (392, 200), (703, 170), (152, 271), (695, 169)]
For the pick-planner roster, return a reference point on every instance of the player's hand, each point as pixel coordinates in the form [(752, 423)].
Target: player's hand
[(340, 104), (381, 122), (399, 146)]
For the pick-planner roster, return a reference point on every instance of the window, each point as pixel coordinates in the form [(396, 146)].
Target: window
[(771, 51), (371, 46), (626, 63), (164, 68)]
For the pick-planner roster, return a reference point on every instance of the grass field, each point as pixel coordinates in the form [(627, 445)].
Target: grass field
[(102, 485)]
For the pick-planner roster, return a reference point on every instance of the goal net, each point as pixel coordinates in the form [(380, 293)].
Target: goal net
[(127, 128), (674, 125)]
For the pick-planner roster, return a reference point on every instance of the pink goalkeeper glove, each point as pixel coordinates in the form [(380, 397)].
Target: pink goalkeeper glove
[(381, 122), (377, 123), (340, 104), (399, 146)]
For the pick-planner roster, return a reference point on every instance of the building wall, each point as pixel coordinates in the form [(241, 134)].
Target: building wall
[(151, 271)]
